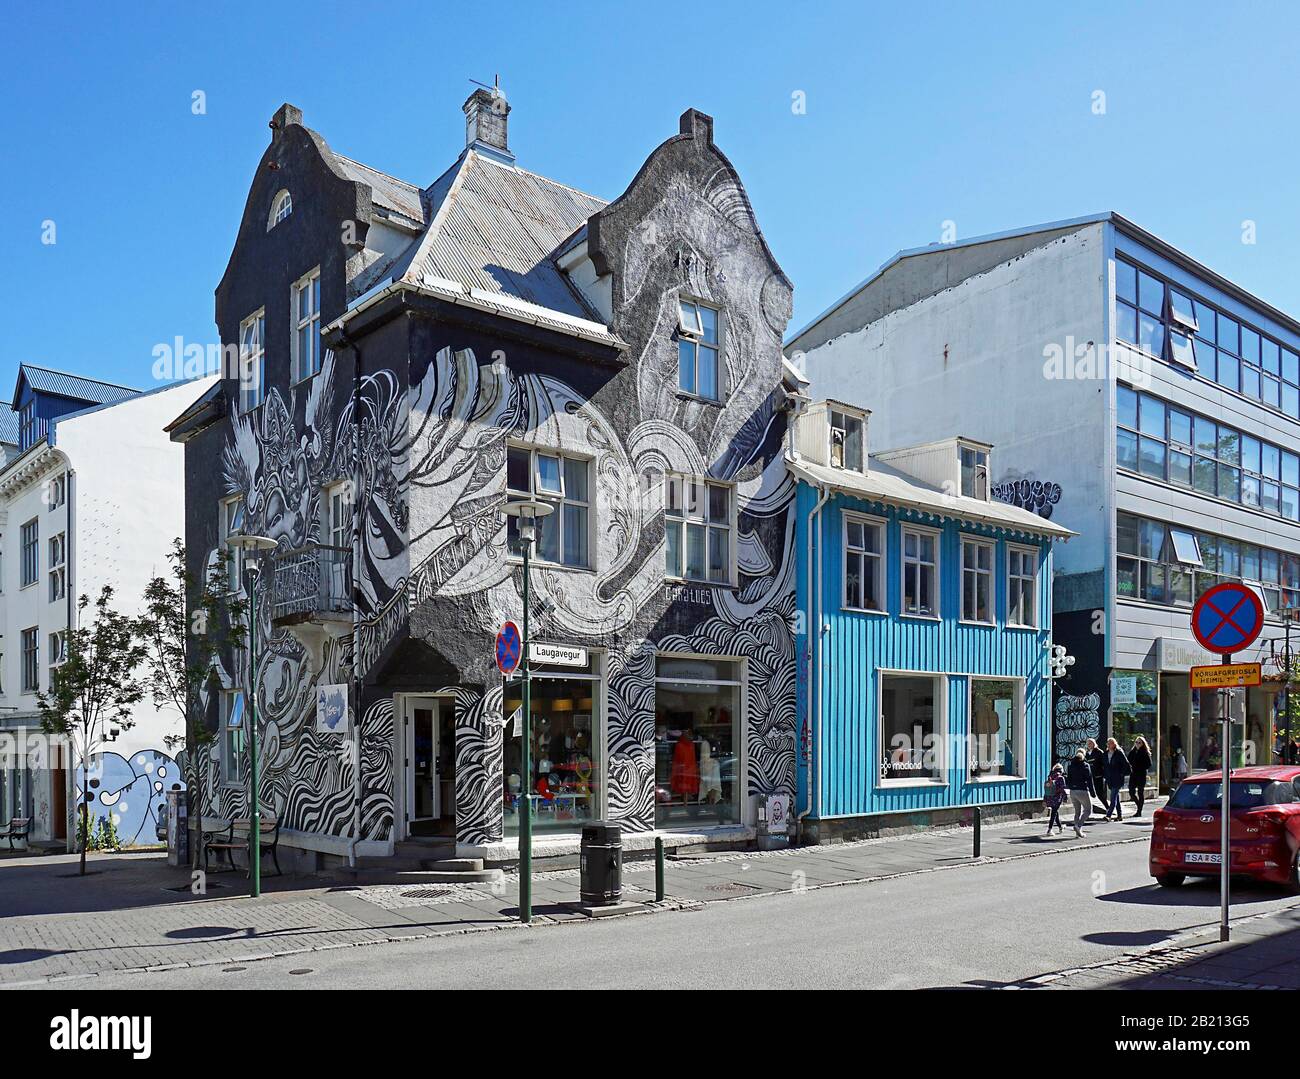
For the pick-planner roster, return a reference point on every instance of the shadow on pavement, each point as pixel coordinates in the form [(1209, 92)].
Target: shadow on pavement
[(1195, 893)]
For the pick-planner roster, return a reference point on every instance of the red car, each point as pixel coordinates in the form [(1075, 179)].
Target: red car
[(1264, 832)]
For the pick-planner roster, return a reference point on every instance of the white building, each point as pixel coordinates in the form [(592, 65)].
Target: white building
[(91, 494)]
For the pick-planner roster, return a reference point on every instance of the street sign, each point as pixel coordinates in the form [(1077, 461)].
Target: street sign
[(560, 655), (1227, 676), (1228, 618), (510, 648)]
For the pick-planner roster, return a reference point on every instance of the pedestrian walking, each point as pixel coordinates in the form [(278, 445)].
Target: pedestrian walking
[(1181, 769), (1054, 791), (1078, 781), (1139, 759), (1096, 758), (1116, 770)]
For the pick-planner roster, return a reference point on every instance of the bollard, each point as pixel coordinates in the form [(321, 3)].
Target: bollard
[(659, 869), (977, 831)]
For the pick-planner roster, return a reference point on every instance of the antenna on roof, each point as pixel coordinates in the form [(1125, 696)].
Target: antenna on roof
[(495, 87)]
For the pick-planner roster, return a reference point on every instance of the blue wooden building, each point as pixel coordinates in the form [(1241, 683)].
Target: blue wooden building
[(924, 633)]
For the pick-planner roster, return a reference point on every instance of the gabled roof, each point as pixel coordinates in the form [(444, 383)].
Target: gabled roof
[(496, 228), (884, 483), (76, 387), (386, 191), (8, 425)]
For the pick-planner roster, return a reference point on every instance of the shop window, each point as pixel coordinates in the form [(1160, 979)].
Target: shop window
[(911, 731), (566, 772), (997, 726), (1134, 699), (698, 773)]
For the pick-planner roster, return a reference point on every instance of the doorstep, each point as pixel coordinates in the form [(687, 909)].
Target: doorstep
[(561, 851)]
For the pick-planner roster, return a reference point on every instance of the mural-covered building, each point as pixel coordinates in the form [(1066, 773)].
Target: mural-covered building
[(415, 356), (90, 495), (925, 626), (1135, 396)]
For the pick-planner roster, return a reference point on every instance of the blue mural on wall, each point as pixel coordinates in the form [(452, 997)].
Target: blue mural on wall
[(132, 791)]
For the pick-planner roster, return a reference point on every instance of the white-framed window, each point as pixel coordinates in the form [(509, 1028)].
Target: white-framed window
[(231, 522), (563, 537), (1022, 587), (976, 580), (974, 472), (699, 349), (30, 536), (58, 572), (920, 556), (58, 644), (911, 722), (31, 651), (306, 322), (232, 736), (864, 563), (338, 514), (281, 207), (252, 361), (847, 438), (26, 424), (56, 493), (997, 728), (698, 524)]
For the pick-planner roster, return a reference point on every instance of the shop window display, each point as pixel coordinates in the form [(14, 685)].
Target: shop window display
[(566, 773), (911, 746), (697, 742), (997, 723)]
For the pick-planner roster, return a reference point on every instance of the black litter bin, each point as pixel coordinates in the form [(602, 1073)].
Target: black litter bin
[(602, 864)]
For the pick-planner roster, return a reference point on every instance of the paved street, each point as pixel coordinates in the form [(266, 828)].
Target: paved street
[(1057, 914)]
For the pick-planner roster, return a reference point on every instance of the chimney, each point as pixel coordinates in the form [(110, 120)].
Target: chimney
[(486, 111)]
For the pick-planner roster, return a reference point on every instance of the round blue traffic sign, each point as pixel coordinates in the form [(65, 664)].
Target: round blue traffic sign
[(1228, 618), (510, 647)]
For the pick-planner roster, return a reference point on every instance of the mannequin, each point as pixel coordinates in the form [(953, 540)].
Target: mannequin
[(686, 772), (710, 775)]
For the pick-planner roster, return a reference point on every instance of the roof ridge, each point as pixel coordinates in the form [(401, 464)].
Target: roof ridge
[(539, 176), (83, 378), (380, 172)]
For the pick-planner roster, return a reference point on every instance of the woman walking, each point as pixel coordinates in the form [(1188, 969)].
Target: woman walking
[(1116, 769), (1139, 760), (1053, 796), (1078, 781)]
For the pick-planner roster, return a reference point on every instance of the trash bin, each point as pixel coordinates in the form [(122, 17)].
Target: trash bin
[(602, 864), (178, 828)]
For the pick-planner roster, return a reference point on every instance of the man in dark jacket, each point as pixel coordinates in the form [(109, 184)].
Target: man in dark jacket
[(1096, 758), (1078, 781), (1116, 770)]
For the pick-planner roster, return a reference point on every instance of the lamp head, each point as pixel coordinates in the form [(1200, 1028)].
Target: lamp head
[(528, 514)]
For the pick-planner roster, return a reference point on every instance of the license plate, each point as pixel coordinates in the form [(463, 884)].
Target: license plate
[(1212, 859)]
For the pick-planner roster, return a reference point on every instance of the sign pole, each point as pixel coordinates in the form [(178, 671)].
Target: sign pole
[(1225, 810), (526, 799)]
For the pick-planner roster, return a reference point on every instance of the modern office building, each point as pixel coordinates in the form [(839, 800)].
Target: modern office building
[(1135, 396), (90, 495), (925, 615)]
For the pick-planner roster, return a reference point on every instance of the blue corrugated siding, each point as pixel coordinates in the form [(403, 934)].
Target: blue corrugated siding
[(856, 647)]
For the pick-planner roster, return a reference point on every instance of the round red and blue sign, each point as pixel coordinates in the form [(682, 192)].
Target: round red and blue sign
[(510, 648), (1228, 618)]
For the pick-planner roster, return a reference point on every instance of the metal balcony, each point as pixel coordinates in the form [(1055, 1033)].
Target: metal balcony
[(312, 584)]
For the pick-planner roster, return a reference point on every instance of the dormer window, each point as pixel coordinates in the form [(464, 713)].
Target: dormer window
[(974, 473), (281, 208), (846, 440), (698, 338)]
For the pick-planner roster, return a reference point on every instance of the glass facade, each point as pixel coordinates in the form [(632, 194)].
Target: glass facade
[(698, 772), (910, 727), (997, 727)]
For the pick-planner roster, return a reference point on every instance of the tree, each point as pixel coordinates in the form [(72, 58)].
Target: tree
[(94, 687), (186, 623)]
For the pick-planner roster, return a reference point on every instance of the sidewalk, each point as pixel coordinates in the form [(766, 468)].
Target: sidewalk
[(136, 913)]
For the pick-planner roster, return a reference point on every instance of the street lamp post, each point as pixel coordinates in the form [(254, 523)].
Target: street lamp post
[(529, 516), (252, 546)]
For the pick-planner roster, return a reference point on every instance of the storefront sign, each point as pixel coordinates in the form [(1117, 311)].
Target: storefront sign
[(332, 710), (558, 655), (1226, 675), (1173, 654), (1123, 689)]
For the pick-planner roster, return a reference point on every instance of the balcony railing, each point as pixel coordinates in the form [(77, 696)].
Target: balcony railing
[(312, 582)]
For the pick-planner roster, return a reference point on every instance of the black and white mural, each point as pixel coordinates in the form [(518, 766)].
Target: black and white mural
[(434, 410)]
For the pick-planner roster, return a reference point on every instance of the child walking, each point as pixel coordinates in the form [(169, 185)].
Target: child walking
[(1054, 796)]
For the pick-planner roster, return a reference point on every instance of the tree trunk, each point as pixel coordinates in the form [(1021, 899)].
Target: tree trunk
[(85, 808)]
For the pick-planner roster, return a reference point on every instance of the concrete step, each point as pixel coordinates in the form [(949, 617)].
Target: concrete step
[(453, 865), (403, 874)]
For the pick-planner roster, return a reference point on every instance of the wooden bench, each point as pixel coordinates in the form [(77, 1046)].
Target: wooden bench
[(224, 840), (18, 828)]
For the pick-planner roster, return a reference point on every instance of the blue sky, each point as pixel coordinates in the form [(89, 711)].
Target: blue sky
[(916, 115)]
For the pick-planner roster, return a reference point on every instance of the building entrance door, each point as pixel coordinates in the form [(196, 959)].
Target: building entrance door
[(430, 766)]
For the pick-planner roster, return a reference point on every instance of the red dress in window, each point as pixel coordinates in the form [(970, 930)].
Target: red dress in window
[(686, 772)]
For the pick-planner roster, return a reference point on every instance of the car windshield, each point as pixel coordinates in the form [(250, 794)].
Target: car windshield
[(1244, 794)]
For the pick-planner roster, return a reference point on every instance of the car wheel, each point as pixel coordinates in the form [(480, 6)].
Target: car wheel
[(1294, 882), (1170, 880)]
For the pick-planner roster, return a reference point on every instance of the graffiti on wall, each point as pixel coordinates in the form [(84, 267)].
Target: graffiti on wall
[(1037, 496), (1075, 720)]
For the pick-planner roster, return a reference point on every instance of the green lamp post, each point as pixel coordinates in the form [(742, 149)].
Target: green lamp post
[(529, 515), (253, 546)]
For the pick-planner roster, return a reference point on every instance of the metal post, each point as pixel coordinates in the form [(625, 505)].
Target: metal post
[(255, 816), (978, 820), (1225, 824), (526, 801), (659, 869)]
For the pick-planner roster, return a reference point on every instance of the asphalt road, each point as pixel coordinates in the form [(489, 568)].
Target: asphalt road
[(975, 926)]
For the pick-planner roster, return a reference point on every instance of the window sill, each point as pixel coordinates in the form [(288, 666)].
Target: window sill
[(894, 784), (694, 583), (920, 617), (716, 402), (1017, 625), (978, 623), (538, 563), (981, 780), (865, 610), (295, 383)]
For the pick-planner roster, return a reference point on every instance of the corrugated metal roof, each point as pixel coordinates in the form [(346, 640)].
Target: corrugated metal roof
[(79, 388), (495, 228), (386, 191), (8, 425)]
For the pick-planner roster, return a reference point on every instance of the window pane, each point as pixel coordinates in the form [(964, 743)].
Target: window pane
[(690, 318), (854, 530), (1151, 458), (548, 538), (1203, 476), (1126, 449), (686, 366), (1228, 334), (1180, 468), (1249, 453), (1291, 469), (1250, 491), (1126, 281), (548, 474), (1291, 400), (1204, 320), (1126, 406), (673, 556), (575, 535), (1151, 294), (719, 503), (1126, 328), (1249, 380), (1207, 437), (1151, 335), (695, 551), (994, 726), (709, 324), (1153, 417), (1229, 483), (1270, 497), (575, 480), (1228, 373), (1229, 445), (708, 373), (1270, 357), (1180, 427), (1205, 358), (517, 470), (853, 580), (1249, 345), (1271, 460), (719, 570), (1182, 305), (1290, 366)]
